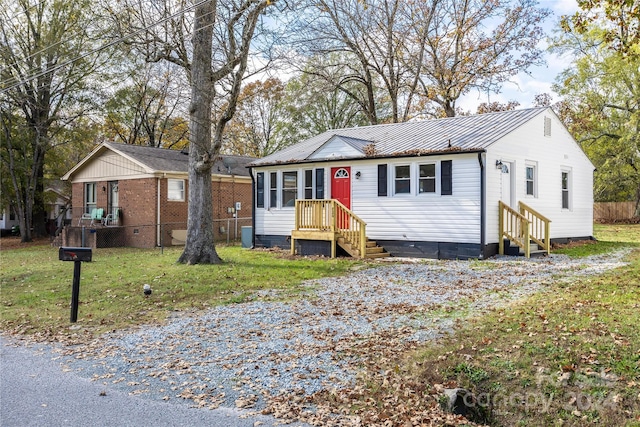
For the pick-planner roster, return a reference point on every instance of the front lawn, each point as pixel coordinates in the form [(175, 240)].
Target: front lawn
[(36, 286)]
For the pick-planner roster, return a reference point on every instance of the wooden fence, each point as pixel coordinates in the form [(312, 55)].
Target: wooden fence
[(613, 211)]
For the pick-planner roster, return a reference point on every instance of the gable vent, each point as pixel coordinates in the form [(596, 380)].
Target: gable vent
[(547, 126)]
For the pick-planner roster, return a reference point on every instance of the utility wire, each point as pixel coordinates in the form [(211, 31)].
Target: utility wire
[(17, 83)]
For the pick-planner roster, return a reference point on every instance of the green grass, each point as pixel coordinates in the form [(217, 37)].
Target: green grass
[(568, 355), (577, 350), (609, 237), (36, 286)]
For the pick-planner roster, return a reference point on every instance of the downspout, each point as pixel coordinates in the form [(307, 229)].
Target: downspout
[(158, 226), (253, 208), (483, 207)]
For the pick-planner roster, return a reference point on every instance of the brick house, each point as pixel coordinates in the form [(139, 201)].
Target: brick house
[(137, 196)]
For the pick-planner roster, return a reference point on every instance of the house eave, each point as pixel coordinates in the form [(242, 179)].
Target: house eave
[(411, 153)]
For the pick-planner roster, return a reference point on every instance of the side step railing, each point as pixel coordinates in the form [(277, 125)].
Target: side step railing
[(538, 226), (523, 227), (515, 227)]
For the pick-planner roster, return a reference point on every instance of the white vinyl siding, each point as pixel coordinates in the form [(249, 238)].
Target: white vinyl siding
[(551, 155), (411, 216)]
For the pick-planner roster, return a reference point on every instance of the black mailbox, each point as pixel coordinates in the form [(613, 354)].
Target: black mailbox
[(74, 254)]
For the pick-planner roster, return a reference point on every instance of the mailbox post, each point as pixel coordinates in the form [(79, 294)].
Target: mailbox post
[(77, 255)]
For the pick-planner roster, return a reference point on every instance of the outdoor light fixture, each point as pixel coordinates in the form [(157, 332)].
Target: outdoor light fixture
[(358, 175), (146, 289), (498, 164)]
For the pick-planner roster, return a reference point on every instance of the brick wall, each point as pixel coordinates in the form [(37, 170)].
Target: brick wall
[(226, 194), (138, 199)]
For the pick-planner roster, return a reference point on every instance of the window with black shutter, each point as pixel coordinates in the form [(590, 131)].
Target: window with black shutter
[(308, 184)]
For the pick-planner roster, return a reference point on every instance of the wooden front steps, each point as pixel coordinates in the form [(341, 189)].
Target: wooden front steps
[(372, 250), (330, 220)]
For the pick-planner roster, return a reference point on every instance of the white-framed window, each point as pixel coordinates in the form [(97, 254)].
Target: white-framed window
[(90, 195), (289, 188), (531, 179), (566, 189), (402, 179), (273, 189), (308, 184), (175, 190), (427, 178)]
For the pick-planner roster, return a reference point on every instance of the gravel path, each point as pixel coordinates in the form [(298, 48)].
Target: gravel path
[(239, 355)]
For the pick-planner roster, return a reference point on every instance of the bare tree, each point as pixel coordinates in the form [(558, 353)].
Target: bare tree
[(149, 110), (48, 53), (361, 45), (254, 130), (474, 44), (422, 56), (213, 47)]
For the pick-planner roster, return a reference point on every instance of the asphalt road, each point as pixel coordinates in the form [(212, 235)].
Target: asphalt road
[(35, 391)]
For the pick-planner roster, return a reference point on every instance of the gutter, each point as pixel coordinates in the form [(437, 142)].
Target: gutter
[(483, 207), (378, 157), (158, 226), (253, 208)]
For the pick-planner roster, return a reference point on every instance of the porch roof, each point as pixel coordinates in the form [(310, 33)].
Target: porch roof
[(452, 134)]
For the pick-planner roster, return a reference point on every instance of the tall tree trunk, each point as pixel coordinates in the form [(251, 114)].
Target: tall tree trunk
[(199, 247)]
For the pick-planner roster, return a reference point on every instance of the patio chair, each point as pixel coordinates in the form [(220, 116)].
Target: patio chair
[(111, 219), (87, 216), (96, 215)]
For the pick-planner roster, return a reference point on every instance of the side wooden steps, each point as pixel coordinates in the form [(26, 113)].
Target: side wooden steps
[(372, 249), (514, 250)]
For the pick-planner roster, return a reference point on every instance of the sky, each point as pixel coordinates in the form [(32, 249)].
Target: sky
[(524, 88)]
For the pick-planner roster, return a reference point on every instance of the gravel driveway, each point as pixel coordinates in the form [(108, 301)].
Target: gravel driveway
[(239, 355)]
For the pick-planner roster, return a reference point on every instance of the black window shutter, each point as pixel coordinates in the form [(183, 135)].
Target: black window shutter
[(382, 180), (446, 178), (260, 190), (320, 184)]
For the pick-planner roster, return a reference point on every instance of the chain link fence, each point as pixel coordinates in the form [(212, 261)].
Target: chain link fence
[(228, 230)]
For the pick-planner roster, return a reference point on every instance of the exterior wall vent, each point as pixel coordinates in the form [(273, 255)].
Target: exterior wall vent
[(547, 126)]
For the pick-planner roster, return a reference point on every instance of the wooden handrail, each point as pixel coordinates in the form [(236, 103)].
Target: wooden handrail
[(539, 226), (351, 228), (331, 216), (515, 227)]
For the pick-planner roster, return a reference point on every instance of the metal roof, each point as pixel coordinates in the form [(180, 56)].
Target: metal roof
[(461, 133)]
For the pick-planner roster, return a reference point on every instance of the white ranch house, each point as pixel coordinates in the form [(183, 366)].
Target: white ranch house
[(446, 188)]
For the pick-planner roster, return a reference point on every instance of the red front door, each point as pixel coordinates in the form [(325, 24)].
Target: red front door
[(341, 191), (341, 185)]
